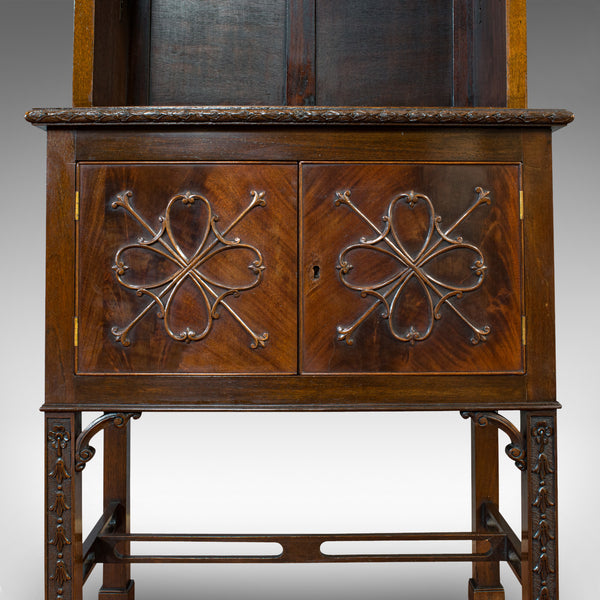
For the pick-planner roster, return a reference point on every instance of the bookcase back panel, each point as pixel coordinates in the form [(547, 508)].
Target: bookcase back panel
[(225, 52), (384, 53)]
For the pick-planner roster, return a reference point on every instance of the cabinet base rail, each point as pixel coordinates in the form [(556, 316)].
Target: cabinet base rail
[(103, 546)]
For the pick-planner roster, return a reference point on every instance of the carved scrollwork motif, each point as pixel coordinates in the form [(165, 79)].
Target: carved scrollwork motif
[(83, 451), (195, 267), (406, 267), (516, 449), (543, 509), (59, 477)]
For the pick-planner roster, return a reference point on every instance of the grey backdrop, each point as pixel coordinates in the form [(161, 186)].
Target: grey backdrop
[(252, 472)]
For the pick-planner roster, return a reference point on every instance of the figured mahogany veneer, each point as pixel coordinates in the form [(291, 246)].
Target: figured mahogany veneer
[(187, 268), (419, 268)]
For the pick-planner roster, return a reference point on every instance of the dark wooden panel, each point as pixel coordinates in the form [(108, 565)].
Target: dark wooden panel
[(421, 299), (60, 266), (111, 53), (463, 53), (100, 53), (384, 53), (140, 15), (218, 52), (301, 52), (220, 273), (539, 268), (305, 392), (301, 143), (489, 53)]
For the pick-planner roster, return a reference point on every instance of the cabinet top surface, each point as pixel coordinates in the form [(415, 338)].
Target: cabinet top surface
[(314, 115)]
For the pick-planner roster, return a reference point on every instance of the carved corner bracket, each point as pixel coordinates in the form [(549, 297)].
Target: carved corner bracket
[(516, 449), (84, 452)]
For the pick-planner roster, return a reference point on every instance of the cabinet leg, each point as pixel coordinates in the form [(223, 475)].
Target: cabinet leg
[(117, 583), (485, 583), (539, 505), (63, 544)]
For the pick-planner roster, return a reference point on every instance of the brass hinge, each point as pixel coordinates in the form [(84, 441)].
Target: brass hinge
[(77, 205), (75, 332), (524, 329), (521, 209)]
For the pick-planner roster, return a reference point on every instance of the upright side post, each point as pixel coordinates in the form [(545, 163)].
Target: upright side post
[(485, 583), (117, 583)]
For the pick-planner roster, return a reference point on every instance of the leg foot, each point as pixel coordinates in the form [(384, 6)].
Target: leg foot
[(485, 593), (127, 593)]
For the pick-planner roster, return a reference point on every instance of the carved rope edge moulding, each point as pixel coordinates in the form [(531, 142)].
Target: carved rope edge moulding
[(147, 115)]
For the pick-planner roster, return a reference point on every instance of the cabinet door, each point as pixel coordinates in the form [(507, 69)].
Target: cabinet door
[(411, 268), (187, 268)]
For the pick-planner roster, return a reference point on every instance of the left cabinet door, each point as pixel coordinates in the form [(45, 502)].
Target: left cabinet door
[(187, 268)]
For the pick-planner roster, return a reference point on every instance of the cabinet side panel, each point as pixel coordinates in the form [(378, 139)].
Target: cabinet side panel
[(60, 266), (539, 265), (83, 52), (100, 53), (516, 34), (111, 53)]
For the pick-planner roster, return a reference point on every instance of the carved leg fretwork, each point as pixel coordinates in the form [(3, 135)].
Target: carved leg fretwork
[(485, 583), (539, 546), (63, 544)]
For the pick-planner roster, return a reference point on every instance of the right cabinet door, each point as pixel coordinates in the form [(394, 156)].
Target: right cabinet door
[(411, 268)]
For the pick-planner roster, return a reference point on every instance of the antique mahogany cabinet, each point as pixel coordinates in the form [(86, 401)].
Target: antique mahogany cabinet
[(254, 206)]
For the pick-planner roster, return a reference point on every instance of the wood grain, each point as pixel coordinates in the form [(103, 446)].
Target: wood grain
[(301, 51), (381, 53), (83, 53), (372, 347), (218, 52), (104, 302), (485, 488), (539, 266), (60, 266), (516, 39), (489, 53), (116, 579)]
